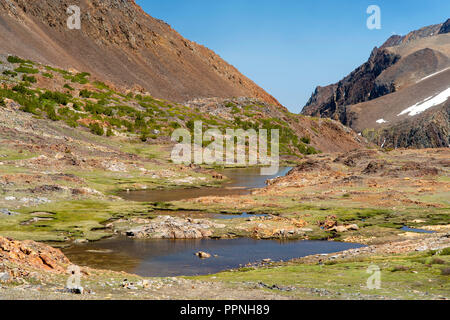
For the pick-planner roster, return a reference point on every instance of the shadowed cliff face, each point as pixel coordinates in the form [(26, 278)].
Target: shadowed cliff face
[(445, 27), (404, 72), (359, 86), (119, 42)]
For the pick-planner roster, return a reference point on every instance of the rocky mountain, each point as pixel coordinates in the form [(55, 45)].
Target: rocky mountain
[(120, 43), (399, 97), (126, 74)]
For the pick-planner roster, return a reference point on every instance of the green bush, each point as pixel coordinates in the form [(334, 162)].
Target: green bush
[(30, 79), (48, 75), (71, 123), (20, 88), (51, 113), (15, 59), (96, 129), (175, 125), (58, 97), (85, 93), (80, 78), (190, 125), (23, 69), (306, 140), (67, 86), (22, 96), (9, 73), (76, 106), (100, 85)]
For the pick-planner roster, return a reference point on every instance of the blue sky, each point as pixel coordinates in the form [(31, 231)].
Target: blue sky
[(288, 47)]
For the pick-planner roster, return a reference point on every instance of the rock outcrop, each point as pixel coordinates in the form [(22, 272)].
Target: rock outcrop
[(445, 27), (167, 227), (359, 86), (32, 254), (405, 72)]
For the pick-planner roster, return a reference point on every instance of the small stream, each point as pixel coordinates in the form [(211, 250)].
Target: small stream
[(408, 229), (162, 258)]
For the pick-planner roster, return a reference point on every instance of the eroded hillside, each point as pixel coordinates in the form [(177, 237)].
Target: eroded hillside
[(399, 97), (119, 42)]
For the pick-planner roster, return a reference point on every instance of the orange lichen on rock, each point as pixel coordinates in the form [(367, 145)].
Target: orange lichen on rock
[(32, 254)]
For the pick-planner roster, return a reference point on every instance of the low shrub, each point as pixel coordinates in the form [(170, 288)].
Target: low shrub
[(67, 86), (85, 93), (58, 97), (27, 70), (15, 59), (306, 140), (96, 129), (9, 73), (30, 79), (51, 113), (48, 75)]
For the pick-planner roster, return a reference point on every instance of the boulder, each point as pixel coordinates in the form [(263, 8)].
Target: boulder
[(167, 227), (32, 254), (203, 255), (4, 277)]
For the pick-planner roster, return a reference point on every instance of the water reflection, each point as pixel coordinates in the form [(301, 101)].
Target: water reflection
[(177, 258), (242, 181)]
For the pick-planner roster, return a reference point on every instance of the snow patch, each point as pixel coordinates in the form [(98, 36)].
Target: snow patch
[(381, 121), (432, 75), (427, 103)]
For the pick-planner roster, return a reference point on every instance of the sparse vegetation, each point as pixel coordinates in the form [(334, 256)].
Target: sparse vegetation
[(27, 70), (96, 129), (47, 75), (9, 73), (30, 79), (15, 59), (306, 140)]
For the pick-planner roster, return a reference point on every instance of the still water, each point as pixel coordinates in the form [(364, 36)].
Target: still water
[(242, 181), (162, 258)]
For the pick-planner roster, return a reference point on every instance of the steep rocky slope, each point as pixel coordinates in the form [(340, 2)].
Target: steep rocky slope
[(119, 42), (398, 98)]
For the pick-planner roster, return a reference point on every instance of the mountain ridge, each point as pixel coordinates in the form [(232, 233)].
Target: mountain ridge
[(404, 73), (121, 43)]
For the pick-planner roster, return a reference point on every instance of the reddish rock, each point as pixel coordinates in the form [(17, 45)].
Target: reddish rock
[(33, 254)]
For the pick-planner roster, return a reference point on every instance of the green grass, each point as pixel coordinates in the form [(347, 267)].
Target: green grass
[(7, 154), (71, 220), (402, 276)]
